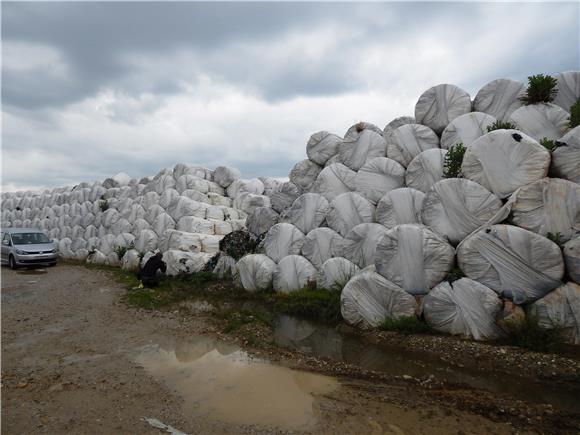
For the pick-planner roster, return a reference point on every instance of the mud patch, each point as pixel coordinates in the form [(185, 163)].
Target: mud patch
[(222, 382)]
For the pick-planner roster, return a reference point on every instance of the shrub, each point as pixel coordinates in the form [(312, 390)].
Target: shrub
[(406, 325), (237, 244), (500, 125), (549, 144), (455, 274), (541, 89), (575, 114), (103, 204), (528, 333), (453, 160), (121, 251), (555, 237), (317, 304)]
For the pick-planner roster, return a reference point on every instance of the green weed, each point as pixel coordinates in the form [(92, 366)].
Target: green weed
[(406, 325), (500, 125), (453, 161), (541, 89)]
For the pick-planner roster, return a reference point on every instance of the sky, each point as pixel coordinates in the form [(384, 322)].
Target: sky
[(93, 89)]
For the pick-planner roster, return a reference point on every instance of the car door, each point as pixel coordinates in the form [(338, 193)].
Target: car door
[(5, 247)]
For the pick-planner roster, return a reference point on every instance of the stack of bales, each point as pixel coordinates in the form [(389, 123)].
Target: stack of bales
[(372, 214), (183, 212)]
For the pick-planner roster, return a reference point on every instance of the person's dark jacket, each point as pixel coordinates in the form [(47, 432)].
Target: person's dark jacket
[(154, 264)]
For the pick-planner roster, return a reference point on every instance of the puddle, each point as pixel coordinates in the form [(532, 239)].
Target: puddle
[(220, 381), (323, 341)]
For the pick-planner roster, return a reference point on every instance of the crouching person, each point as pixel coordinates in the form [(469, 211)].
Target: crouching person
[(148, 274)]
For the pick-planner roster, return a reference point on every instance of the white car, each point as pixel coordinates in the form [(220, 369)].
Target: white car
[(27, 247)]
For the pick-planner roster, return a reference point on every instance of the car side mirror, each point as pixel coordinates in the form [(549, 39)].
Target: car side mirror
[(6, 242)]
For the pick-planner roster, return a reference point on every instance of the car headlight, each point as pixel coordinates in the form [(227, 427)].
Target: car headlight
[(20, 252)]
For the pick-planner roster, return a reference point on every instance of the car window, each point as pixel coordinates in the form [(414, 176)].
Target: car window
[(29, 238)]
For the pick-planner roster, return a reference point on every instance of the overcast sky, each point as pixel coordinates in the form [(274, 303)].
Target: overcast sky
[(92, 89)]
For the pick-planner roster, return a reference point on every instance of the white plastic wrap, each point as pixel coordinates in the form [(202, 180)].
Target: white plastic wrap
[(192, 224), (168, 197), (465, 129), (146, 240), (334, 180), (456, 207), (568, 89), (130, 260), (307, 212), (500, 98), (181, 262), (515, 263), (125, 240), (379, 176), (504, 160), (414, 257), (572, 258), (348, 210), (261, 220), (321, 244), (408, 141), (254, 272), (541, 121), (281, 240), (284, 196), (181, 241), (322, 146), (224, 176), (549, 205), (210, 243), (440, 105), (566, 163), (335, 273), (187, 181), (106, 244), (216, 199), (293, 273), (357, 149), (162, 223), (368, 299), (254, 186), (354, 130), (96, 257), (400, 206), (426, 169), (465, 308), (270, 185), (304, 174), (360, 244), (396, 123), (560, 309), (248, 202), (225, 267)]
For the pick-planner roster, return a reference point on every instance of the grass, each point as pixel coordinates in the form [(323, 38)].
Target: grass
[(453, 161), (321, 305), (541, 89), (549, 144), (236, 319), (500, 125), (406, 325), (528, 334), (574, 114)]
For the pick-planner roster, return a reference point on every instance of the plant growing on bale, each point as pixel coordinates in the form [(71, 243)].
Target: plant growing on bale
[(453, 160), (541, 89), (406, 325), (528, 333), (103, 204), (555, 237), (121, 251), (92, 251), (501, 125), (549, 144), (455, 274), (237, 244), (575, 114)]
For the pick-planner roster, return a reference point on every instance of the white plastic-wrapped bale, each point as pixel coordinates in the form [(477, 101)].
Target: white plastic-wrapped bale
[(284, 196), (219, 200), (107, 244), (136, 211), (568, 89), (394, 124), (440, 105), (368, 299), (572, 258), (500, 98), (181, 241), (560, 309), (354, 130), (322, 146), (130, 260), (109, 217), (281, 240), (148, 200), (248, 202), (465, 307), (125, 240), (210, 243), (540, 121), (465, 129), (516, 263), (334, 159), (224, 176), (320, 245), (146, 240), (254, 272), (138, 226), (187, 181), (238, 224), (168, 198), (162, 223), (307, 212), (121, 226), (408, 141), (192, 224), (400, 206), (333, 180), (348, 210), (261, 220), (504, 160), (221, 228), (426, 169), (360, 244), (356, 150), (335, 273), (304, 174), (254, 186), (225, 267), (97, 257), (161, 184), (113, 259), (379, 176), (549, 205), (414, 257), (270, 185), (82, 254), (90, 231), (293, 273), (566, 158), (180, 262), (78, 243), (456, 207)]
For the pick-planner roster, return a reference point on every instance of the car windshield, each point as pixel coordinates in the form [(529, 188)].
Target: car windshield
[(29, 238)]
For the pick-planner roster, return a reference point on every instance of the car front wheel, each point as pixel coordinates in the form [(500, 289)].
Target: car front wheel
[(12, 263)]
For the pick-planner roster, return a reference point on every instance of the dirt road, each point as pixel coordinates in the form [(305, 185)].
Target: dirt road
[(75, 359)]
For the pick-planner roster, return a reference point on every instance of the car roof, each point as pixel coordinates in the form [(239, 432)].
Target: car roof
[(21, 230)]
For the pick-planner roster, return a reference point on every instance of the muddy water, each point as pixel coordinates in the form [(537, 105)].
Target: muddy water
[(323, 341), (222, 382)]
